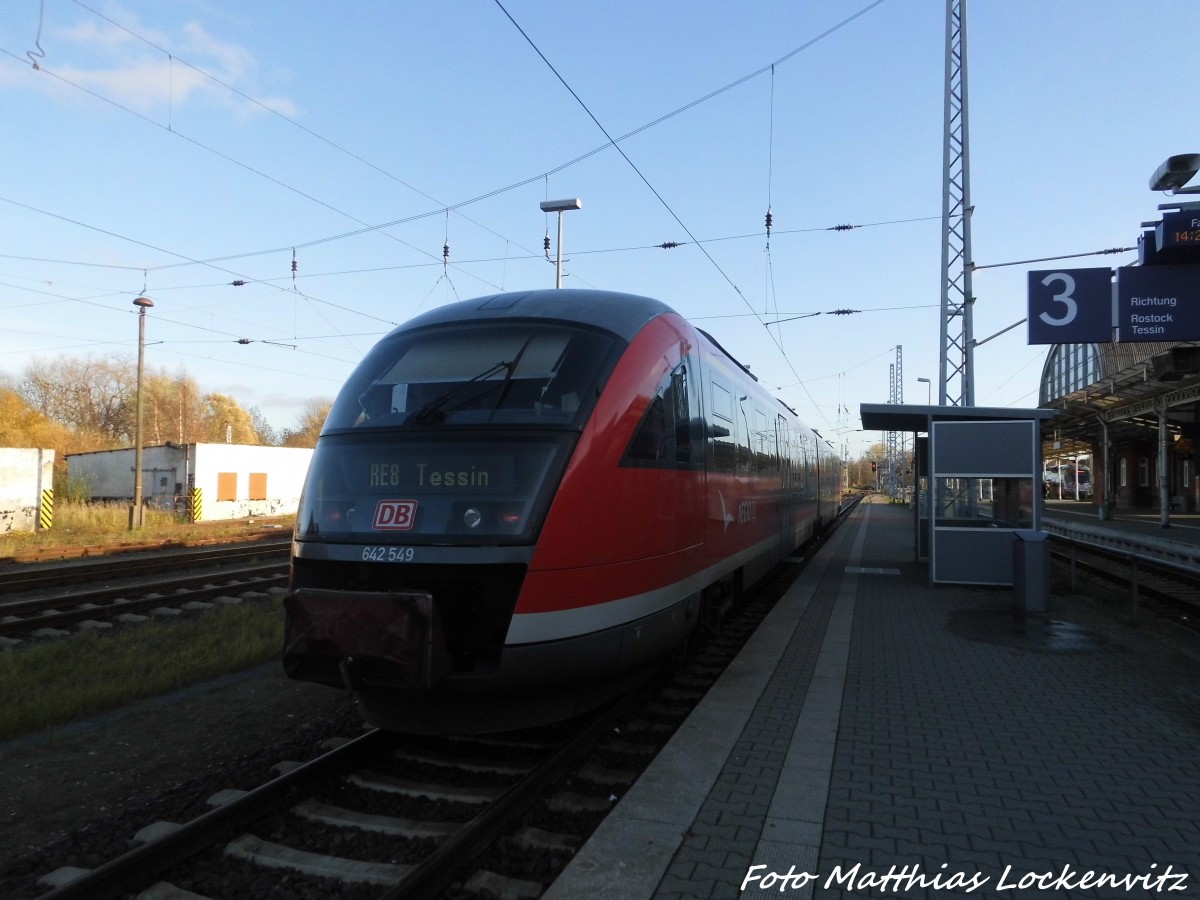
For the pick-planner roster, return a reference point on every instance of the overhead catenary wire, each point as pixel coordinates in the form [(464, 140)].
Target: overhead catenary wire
[(647, 183), (171, 55), (662, 200), (274, 112), (444, 261), (1025, 262), (665, 245), (769, 269), (495, 192), (366, 229), (179, 255)]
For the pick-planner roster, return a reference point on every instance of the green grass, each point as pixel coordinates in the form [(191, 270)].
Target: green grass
[(49, 684), (86, 524)]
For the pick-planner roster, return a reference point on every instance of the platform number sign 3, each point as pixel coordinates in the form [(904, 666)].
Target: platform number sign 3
[(1064, 297), (1070, 306)]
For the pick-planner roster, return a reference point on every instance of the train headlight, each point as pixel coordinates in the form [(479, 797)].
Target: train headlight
[(472, 517)]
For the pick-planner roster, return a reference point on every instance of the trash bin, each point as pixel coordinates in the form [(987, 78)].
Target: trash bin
[(1031, 569)]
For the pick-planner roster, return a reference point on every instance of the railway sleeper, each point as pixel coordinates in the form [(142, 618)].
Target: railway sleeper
[(490, 884), (316, 811), (253, 849)]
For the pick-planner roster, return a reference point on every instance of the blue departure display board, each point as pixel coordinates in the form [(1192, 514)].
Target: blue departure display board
[(1158, 303)]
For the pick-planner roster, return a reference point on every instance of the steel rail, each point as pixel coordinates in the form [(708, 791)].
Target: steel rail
[(428, 877), (198, 587), (1175, 585), (24, 579), (134, 870), (1176, 554)]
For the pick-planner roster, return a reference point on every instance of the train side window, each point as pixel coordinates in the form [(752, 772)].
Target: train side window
[(722, 430), (722, 402), (745, 438), (764, 443), (785, 451), (663, 438), (682, 419)]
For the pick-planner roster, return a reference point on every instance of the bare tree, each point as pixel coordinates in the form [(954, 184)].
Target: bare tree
[(262, 428), (308, 425), (86, 394)]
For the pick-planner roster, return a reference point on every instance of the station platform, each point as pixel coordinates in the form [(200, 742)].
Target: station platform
[(878, 737), (1182, 527)]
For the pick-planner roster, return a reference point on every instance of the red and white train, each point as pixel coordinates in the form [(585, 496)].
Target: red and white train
[(520, 503)]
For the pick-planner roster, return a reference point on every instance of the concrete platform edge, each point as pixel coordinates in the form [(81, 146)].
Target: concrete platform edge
[(627, 855)]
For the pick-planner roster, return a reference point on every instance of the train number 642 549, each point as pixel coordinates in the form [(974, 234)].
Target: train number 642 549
[(389, 554)]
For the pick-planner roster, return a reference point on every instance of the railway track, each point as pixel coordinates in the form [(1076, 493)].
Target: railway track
[(35, 599), (35, 577), (1173, 591), (385, 816), (451, 802)]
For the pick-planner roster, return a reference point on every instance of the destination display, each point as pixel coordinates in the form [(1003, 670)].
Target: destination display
[(1158, 300), (486, 473), (1158, 303), (1178, 235)]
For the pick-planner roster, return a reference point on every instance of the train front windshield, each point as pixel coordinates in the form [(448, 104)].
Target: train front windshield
[(456, 434), (523, 374)]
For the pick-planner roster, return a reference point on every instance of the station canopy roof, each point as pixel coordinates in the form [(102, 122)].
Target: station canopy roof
[(1134, 381), (914, 418)]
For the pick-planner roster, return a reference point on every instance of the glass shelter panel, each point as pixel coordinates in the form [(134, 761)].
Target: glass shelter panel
[(984, 503)]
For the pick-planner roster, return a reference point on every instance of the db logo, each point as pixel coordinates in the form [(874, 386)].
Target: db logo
[(395, 515)]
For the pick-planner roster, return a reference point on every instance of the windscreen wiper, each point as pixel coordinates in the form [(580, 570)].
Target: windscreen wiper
[(431, 412), (508, 376)]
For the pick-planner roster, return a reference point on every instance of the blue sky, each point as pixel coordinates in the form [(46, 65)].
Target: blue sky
[(172, 148)]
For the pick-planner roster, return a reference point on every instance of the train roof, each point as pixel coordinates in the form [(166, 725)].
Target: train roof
[(622, 314)]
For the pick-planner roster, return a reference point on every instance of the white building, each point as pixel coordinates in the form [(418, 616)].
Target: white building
[(211, 481), (26, 489)]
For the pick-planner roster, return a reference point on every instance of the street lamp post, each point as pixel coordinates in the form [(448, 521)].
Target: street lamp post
[(928, 390), (135, 510), (560, 206)]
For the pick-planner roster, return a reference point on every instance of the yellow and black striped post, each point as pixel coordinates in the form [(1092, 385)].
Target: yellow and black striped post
[(46, 510), (196, 504)]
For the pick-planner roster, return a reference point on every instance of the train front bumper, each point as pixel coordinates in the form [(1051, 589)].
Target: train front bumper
[(345, 637)]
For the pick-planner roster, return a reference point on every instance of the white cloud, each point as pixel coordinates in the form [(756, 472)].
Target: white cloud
[(146, 71)]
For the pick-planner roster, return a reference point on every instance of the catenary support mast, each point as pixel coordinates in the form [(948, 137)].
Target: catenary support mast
[(956, 384), (895, 440)]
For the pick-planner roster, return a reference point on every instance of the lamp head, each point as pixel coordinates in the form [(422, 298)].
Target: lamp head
[(560, 205), (143, 302), (1176, 172)]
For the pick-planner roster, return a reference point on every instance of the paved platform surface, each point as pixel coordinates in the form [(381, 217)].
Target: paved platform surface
[(1182, 527), (881, 738)]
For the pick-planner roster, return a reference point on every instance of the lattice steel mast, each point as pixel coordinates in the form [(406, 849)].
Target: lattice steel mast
[(956, 384), (895, 440)]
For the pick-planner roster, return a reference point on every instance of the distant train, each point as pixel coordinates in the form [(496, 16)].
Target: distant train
[(519, 503)]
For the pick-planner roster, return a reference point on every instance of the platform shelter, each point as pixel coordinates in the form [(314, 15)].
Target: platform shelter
[(978, 489)]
